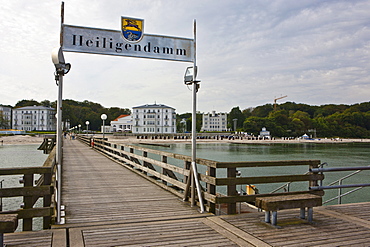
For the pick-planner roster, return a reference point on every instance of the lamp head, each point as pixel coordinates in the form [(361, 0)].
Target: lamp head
[(58, 60), (57, 56), (190, 74)]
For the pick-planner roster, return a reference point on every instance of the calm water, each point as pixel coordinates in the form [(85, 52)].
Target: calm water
[(19, 156), (335, 155)]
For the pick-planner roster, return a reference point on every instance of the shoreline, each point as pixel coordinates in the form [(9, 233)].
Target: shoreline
[(20, 140), (26, 139), (133, 140)]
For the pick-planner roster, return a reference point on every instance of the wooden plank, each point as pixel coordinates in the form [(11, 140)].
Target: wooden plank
[(355, 220), (268, 179), (275, 203), (252, 198), (50, 159), (268, 163), (24, 170), (29, 239), (59, 238), (230, 235), (31, 212), (242, 234), (8, 223), (149, 160), (27, 191), (75, 237)]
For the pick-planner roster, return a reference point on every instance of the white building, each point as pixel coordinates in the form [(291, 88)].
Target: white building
[(123, 123), (214, 121), (153, 119), (265, 133), (5, 117), (34, 118)]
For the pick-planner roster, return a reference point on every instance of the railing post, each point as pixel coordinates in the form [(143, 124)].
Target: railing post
[(187, 165), (131, 151), (47, 200), (231, 190), (211, 189), (164, 170), (28, 202), (145, 154), (314, 182), (340, 192)]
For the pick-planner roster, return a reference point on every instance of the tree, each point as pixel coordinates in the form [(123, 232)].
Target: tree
[(235, 113), (4, 122), (24, 102), (262, 111), (45, 103)]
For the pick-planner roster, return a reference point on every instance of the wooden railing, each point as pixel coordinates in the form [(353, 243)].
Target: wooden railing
[(48, 144), (171, 172), (44, 187)]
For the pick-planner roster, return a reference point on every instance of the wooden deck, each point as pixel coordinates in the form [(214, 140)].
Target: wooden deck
[(108, 205)]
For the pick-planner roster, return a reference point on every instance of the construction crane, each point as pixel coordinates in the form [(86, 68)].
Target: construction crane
[(276, 99)]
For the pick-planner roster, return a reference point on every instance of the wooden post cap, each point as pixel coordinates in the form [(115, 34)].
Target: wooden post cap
[(8, 223)]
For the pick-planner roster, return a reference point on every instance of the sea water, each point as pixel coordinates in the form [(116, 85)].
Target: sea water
[(19, 156), (332, 154)]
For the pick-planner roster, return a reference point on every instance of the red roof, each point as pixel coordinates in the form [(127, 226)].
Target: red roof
[(121, 116)]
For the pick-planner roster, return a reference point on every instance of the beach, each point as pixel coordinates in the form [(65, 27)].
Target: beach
[(28, 139), (20, 139)]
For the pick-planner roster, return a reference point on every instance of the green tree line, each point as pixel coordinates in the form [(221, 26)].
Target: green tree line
[(77, 113), (292, 119), (289, 119)]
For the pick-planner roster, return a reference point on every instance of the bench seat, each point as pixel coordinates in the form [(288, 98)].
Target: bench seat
[(274, 203)]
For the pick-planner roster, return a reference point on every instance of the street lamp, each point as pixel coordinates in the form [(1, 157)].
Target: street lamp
[(87, 127), (62, 68), (79, 129), (190, 78), (183, 122), (235, 121), (103, 117)]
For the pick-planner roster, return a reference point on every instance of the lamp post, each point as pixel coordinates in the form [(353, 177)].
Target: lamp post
[(235, 121), (183, 122), (190, 79), (103, 117), (79, 129), (87, 127), (62, 68)]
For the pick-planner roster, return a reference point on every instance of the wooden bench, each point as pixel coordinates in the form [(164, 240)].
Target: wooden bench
[(274, 203), (8, 224)]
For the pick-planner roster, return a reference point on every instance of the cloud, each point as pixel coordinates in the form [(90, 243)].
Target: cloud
[(248, 52)]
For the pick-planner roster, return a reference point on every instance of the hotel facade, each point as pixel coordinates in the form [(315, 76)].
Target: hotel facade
[(214, 121), (153, 119), (32, 118)]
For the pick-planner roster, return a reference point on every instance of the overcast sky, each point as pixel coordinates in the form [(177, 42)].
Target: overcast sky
[(248, 53)]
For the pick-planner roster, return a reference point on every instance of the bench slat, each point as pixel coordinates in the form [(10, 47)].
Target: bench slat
[(275, 203)]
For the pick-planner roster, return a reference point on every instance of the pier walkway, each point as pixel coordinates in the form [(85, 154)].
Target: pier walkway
[(109, 205)]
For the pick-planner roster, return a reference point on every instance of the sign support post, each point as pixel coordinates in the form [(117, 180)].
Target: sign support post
[(194, 133)]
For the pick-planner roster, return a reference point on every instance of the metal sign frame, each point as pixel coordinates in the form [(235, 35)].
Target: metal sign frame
[(111, 42)]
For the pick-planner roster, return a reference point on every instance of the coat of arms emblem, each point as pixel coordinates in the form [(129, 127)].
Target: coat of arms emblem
[(132, 29)]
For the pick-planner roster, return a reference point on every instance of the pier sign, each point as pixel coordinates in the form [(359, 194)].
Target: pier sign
[(130, 41)]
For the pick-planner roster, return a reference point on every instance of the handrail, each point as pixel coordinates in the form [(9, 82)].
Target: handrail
[(339, 181), (287, 185), (164, 169)]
